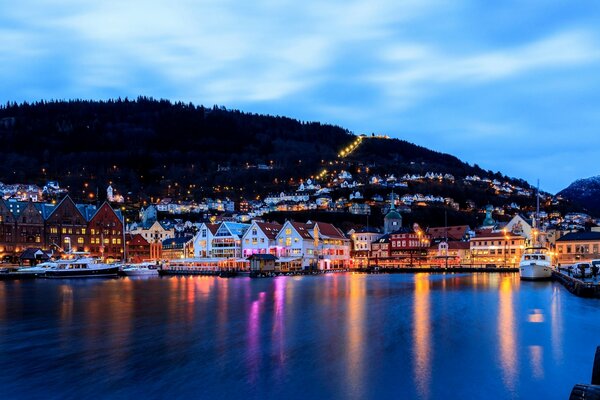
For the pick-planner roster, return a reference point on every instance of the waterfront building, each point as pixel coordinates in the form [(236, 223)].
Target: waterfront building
[(260, 238), (63, 227), (408, 247), (203, 240), (332, 246), (380, 249), (361, 245), (66, 227), (227, 240), (296, 244), (496, 248), (578, 246), (451, 254), (177, 248), (137, 248), (154, 233)]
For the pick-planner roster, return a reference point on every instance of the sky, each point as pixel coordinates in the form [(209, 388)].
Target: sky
[(513, 87)]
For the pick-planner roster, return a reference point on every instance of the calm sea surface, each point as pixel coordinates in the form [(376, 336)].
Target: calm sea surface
[(345, 336)]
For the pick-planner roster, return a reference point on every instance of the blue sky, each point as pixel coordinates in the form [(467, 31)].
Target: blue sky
[(513, 87)]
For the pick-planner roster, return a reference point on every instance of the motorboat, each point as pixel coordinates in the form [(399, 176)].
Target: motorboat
[(144, 269), (39, 269), (85, 267), (536, 264)]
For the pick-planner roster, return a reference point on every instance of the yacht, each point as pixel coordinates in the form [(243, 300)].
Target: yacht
[(38, 270), (81, 268), (536, 264), (144, 269)]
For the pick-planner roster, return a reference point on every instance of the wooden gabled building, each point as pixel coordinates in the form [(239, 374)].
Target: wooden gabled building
[(106, 233)]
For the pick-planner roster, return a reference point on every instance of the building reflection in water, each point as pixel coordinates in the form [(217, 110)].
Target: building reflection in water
[(507, 333), (278, 331), (556, 324), (422, 350), (253, 338), (355, 329), (536, 358)]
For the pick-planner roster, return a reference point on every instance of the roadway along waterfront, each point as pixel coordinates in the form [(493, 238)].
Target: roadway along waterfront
[(337, 336)]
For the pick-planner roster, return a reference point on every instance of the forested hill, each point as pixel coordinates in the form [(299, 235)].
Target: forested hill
[(147, 145)]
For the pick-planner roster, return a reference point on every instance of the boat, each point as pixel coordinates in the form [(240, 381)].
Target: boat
[(536, 261), (37, 270), (140, 270), (82, 268), (536, 264)]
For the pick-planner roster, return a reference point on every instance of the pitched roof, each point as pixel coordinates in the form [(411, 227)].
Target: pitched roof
[(212, 228), (579, 236), (302, 229), (269, 229), (454, 232), (329, 231)]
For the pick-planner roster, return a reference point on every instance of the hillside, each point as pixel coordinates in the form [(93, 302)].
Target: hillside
[(154, 149), (585, 193)]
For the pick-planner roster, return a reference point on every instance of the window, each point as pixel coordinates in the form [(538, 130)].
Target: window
[(80, 240), (254, 232), (288, 231), (83, 231), (38, 239), (64, 230), (288, 241)]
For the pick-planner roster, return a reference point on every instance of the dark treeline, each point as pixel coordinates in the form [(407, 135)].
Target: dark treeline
[(155, 148)]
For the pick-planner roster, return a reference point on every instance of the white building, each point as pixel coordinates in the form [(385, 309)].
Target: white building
[(227, 240), (203, 240), (260, 238)]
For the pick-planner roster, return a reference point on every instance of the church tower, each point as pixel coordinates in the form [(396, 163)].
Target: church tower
[(392, 220)]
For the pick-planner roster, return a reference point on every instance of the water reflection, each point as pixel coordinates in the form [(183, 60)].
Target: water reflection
[(334, 337), (556, 325), (536, 358), (355, 327), (422, 349), (507, 333)]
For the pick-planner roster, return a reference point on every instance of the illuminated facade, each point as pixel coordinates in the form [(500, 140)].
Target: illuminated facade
[(501, 248)]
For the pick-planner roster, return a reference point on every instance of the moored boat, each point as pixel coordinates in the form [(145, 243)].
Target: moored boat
[(37, 270), (81, 268), (536, 264), (140, 270)]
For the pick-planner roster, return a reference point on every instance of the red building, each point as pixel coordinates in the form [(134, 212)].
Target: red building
[(63, 227), (409, 247), (137, 248), (106, 234)]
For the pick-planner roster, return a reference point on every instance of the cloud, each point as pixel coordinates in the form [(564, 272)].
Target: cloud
[(413, 70)]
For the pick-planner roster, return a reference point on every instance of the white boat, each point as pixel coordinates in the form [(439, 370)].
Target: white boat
[(39, 269), (536, 264), (140, 270), (84, 267)]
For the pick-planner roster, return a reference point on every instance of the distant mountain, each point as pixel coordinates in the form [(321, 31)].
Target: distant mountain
[(148, 147), (584, 192)]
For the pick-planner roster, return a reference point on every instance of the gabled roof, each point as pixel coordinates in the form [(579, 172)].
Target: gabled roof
[(329, 231), (579, 236), (302, 229), (269, 229), (212, 228), (235, 228), (454, 232), (87, 210), (67, 198)]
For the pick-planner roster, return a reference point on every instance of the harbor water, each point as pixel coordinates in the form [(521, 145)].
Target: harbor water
[(338, 336)]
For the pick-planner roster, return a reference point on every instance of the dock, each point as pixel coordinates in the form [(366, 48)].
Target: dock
[(577, 286)]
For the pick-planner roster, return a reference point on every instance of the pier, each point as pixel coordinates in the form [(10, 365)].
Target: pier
[(577, 286)]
